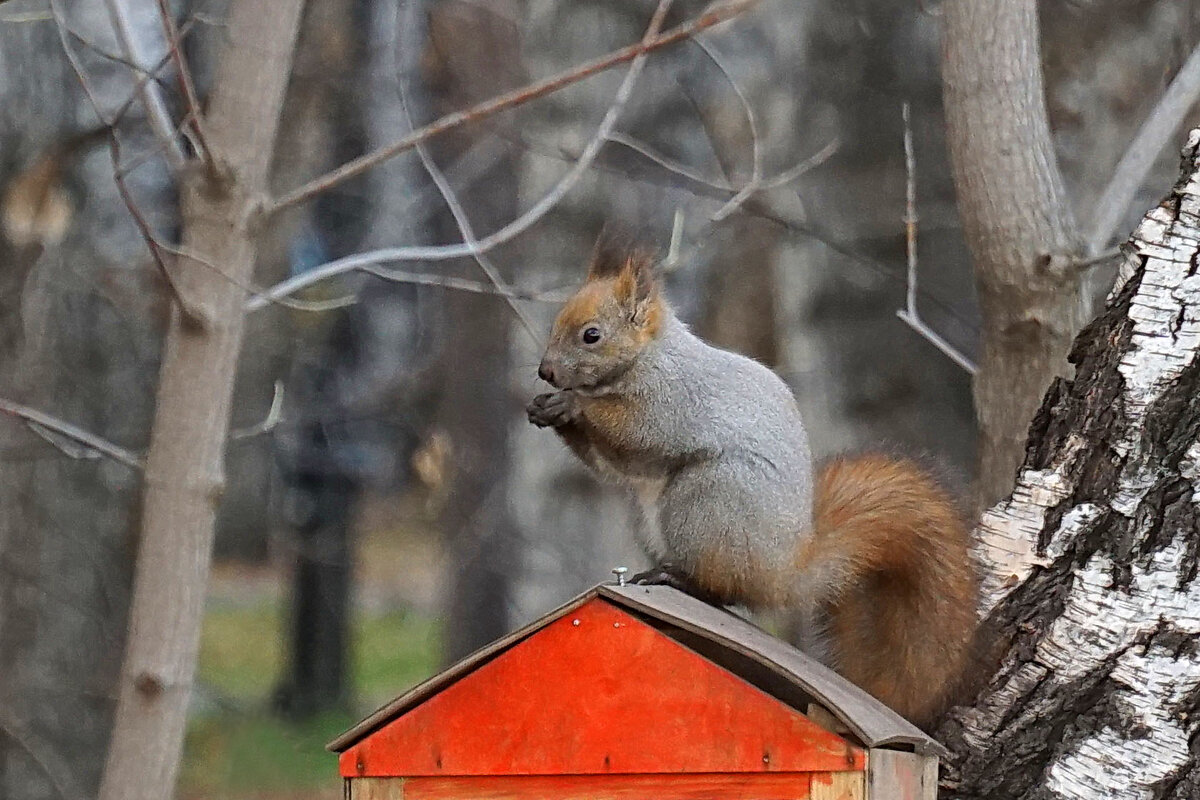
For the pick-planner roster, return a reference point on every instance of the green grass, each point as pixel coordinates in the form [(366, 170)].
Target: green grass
[(235, 749), (245, 756)]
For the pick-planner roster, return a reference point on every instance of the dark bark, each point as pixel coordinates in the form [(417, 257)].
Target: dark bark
[(318, 635), (475, 400), (1097, 688)]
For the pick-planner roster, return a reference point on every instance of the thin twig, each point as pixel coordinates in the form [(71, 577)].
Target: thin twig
[(185, 81), (274, 415), (143, 226), (909, 314), (669, 164), (671, 262), (107, 55), (1143, 151), (156, 109), (359, 261), (115, 153), (465, 285), (32, 16), (257, 294), (747, 109), (252, 290), (462, 220), (72, 432), (782, 179), (506, 101), (464, 226)]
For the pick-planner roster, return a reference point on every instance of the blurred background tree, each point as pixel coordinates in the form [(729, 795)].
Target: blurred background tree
[(395, 511)]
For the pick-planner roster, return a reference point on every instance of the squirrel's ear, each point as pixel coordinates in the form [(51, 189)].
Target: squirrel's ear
[(608, 254), (637, 285)]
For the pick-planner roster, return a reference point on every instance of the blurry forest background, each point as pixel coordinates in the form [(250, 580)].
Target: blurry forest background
[(387, 508)]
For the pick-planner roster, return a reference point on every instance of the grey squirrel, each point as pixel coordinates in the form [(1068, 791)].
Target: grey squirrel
[(870, 553)]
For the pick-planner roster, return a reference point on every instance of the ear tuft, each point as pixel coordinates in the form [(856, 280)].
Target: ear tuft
[(610, 252), (636, 283)]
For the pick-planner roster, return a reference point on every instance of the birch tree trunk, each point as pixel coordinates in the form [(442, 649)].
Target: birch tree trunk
[(1098, 685), (1017, 220), (185, 460)]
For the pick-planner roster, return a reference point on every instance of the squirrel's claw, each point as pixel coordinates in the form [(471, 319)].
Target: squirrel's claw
[(552, 410), (659, 576)]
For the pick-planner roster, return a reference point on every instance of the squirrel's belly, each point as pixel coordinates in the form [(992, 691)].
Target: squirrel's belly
[(648, 491)]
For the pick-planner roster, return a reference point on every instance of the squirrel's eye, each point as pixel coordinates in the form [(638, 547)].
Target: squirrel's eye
[(591, 335)]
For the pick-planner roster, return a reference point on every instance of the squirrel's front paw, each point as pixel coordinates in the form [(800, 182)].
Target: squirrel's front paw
[(552, 410)]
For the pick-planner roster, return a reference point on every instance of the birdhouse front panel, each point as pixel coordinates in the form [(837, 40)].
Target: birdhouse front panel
[(599, 691), (635, 692)]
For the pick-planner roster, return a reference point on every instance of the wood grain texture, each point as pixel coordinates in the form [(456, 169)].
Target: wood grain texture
[(763, 786), (896, 775), (599, 691), (839, 786)]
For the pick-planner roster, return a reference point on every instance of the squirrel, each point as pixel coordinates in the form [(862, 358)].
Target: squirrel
[(870, 555)]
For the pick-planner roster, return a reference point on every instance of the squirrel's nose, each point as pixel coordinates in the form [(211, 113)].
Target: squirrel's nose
[(546, 373)]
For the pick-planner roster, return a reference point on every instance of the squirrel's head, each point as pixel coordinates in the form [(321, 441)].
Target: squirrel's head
[(607, 324)]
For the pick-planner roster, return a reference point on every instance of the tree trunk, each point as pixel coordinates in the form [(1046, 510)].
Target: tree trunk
[(475, 402), (184, 464), (1097, 691), (1017, 219)]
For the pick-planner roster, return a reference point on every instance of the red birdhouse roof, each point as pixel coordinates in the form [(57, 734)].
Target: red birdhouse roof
[(637, 679)]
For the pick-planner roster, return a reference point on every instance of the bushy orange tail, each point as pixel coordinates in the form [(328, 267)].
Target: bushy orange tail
[(892, 550)]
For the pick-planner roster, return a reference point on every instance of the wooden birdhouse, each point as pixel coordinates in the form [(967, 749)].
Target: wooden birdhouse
[(637, 692)]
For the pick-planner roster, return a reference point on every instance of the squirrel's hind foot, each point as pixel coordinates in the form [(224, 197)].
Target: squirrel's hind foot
[(671, 575)]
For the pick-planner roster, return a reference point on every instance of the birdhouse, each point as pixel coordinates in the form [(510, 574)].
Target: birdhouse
[(637, 692)]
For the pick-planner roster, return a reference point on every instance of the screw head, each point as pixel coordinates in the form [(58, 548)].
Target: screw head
[(620, 572)]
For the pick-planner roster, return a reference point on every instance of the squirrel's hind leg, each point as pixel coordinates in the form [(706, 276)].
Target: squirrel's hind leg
[(668, 574)]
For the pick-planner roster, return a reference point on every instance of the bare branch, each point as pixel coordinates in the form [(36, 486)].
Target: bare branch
[(463, 221), (464, 285), (669, 164), (715, 15), (104, 53), (909, 314), (274, 415), (747, 109), (360, 261), (1166, 116), (782, 179), (89, 440), (32, 16), (250, 288), (115, 153), (139, 220), (185, 80), (395, 276), (156, 109)]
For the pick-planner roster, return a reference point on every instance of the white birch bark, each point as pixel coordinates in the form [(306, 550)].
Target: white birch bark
[(1092, 561)]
